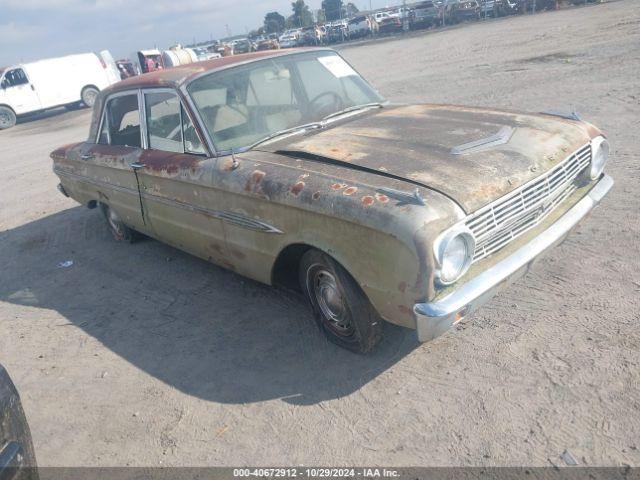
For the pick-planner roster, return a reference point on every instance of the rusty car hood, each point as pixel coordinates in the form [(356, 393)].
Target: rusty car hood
[(417, 143)]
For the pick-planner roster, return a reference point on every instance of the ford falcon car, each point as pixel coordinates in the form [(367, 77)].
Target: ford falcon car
[(289, 168)]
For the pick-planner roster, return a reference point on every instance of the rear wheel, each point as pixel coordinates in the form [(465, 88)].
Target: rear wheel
[(340, 308), (120, 231), (7, 118), (89, 95)]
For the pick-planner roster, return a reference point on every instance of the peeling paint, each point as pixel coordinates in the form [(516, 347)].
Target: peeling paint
[(254, 181)]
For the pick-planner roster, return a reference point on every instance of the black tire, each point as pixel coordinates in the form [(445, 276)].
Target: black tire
[(340, 308), (89, 95), (117, 227), (7, 118)]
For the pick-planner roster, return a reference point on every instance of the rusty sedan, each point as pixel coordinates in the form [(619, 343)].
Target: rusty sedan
[(289, 168)]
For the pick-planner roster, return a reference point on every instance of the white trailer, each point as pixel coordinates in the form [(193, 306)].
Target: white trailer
[(69, 81)]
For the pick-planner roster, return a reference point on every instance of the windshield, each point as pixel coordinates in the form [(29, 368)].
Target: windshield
[(243, 105)]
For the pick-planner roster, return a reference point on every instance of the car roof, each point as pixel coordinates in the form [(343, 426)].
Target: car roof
[(177, 76)]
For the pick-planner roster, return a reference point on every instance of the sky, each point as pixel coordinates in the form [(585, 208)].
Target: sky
[(35, 29)]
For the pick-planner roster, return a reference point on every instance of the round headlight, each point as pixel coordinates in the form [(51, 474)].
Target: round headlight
[(454, 251), (599, 156)]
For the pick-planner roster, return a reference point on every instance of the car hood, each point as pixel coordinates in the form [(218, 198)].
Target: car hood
[(472, 155)]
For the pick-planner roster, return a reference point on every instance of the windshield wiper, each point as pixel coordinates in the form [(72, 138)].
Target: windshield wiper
[(353, 108), (313, 125), (286, 131)]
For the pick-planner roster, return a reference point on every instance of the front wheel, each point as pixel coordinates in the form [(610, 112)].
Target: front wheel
[(340, 308), (89, 95), (7, 118)]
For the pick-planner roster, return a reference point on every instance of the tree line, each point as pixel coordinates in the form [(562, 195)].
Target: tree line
[(301, 16)]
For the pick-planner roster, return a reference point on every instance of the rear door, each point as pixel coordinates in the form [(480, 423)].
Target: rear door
[(109, 163), (19, 92)]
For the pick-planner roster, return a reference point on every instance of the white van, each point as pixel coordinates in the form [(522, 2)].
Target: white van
[(70, 81)]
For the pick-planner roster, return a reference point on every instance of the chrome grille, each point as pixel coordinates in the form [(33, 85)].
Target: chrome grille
[(497, 224)]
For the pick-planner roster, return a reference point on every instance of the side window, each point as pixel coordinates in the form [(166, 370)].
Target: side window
[(192, 143), (15, 77), (121, 124), (164, 122)]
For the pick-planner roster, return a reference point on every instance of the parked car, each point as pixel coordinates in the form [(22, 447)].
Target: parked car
[(381, 15), (289, 168), (464, 10), (223, 49), (289, 40), (242, 46), (17, 458), (126, 68), (70, 81), (336, 32), (359, 27), (309, 36), (267, 43), (148, 60), (424, 14), (204, 54), (505, 7), (390, 24)]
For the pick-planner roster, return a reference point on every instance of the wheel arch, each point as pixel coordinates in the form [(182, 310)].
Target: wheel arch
[(6, 105), (284, 271), (89, 85)]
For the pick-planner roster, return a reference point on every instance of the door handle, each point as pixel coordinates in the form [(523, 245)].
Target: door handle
[(33, 88), (87, 156), (137, 165)]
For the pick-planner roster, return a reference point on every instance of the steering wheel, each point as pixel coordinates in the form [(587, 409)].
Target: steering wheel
[(336, 104)]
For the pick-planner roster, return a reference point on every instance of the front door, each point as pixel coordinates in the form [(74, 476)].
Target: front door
[(20, 93), (175, 180)]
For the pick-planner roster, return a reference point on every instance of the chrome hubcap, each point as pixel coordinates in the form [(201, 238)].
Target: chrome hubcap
[(331, 302), (89, 97), (5, 119)]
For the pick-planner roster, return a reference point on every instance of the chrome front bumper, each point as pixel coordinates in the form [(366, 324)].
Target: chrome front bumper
[(435, 318)]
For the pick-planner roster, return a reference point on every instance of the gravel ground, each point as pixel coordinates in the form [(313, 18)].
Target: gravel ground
[(142, 355)]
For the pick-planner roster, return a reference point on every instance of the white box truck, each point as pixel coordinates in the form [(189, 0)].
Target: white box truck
[(69, 81)]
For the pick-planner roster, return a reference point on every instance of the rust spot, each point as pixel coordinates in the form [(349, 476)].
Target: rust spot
[(297, 188), (316, 195), (404, 310), (382, 198), (253, 182), (338, 186), (171, 163), (402, 286), (367, 200), (350, 191)]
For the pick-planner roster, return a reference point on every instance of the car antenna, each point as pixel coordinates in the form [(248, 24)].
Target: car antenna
[(234, 162)]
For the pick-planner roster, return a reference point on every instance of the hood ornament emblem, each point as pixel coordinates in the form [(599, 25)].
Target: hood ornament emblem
[(503, 136)]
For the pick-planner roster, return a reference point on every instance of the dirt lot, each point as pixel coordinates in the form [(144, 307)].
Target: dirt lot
[(142, 355)]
